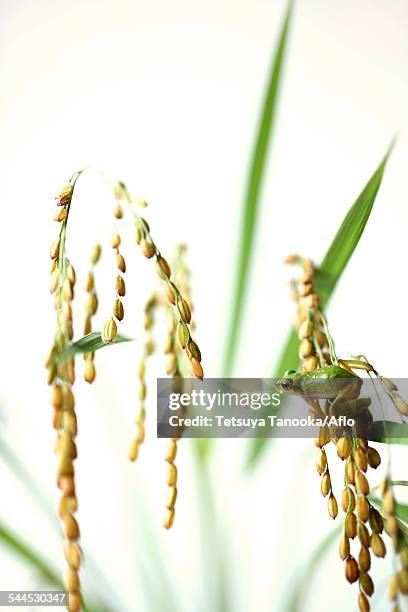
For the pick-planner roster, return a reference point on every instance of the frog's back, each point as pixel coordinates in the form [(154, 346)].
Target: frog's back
[(332, 371), (336, 371), (324, 383)]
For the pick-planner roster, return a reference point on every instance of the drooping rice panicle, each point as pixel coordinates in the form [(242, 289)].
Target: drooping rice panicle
[(61, 374), (392, 391), (398, 584), (170, 457), (148, 350), (171, 483), (183, 279), (314, 343), (91, 307), (317, 350), (61, 366), (182, 319), (110, 329), (181, 307), (175, 368), (313, 353), (171, 346), (180, 330)]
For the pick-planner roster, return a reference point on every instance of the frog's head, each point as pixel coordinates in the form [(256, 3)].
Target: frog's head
[(289, 384)]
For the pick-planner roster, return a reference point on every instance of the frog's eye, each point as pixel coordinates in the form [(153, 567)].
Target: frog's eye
[(289, 372), (286, 385)]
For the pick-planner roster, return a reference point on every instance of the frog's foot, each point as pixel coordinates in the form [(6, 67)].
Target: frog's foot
[(350, 408), (360, 362)]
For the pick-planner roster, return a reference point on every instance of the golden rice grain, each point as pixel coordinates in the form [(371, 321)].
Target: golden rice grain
[(362, 485), (375, 520), (344, 547), (110, 331), (89, 372), (72, 554), (71, 528), (65, 196), (169, 519), (362, 508), (363, 603), (350, 525), (332, 506), (171, 498), (363, 535), (348, 500), (71, 579), (377, 545), (120, 262), (147, 248), (118, 310), (163, 268), (118, 211), (373, 457), (60, 215), (171, 452), (351, 569), (96, 254), (364, 559), (366, 583), (196, 368), (89, 282), (343, 448), (171, 475), (325, 484), (120, 286), (115, 241), (184, 310)]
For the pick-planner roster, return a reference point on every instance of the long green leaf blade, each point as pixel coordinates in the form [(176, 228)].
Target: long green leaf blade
[(252, 196), (348, 236), (401, 512), (333, 264), (389, 432), (29, 556), (298, 593), (89, 344)]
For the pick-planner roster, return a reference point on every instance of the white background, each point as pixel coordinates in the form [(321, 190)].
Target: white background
[(166, 96)]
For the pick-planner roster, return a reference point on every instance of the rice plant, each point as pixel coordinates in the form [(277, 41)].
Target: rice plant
[(371, 509), (321, 368), (61, 360)]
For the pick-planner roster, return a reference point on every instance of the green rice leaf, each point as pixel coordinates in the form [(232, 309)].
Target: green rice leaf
[(20, 472), (328, 274), (10, 458), (401, 512), (348, 235), (89, 344), (300, 586), (389, 432), (30, 556), (252, 196)]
